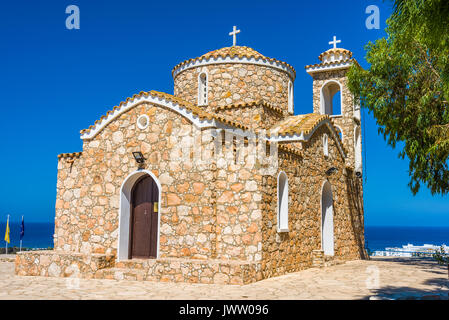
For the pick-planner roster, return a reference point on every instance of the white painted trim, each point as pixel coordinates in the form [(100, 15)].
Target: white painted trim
[(124, 213), (284, 202), (244, 60), (329, 67), (150, 99)]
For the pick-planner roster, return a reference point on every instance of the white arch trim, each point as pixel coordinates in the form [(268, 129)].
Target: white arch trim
[(243, 60), (327, 221), (150, 99), (125, 212)]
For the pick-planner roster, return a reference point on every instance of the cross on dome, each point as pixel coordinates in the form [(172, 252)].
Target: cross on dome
[(233, 34), (334, 42)]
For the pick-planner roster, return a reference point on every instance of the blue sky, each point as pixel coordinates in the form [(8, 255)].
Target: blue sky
[(56, 82)]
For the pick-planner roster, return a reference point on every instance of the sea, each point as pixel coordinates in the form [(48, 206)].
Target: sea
[(379, 238), (40, 235)]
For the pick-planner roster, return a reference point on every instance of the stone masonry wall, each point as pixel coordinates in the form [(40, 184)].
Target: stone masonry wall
[(208, 210), (253, 117), (235, 83), (292, 251), (58, 264), (346, 120)]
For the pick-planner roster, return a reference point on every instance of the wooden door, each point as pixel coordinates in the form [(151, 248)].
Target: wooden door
[(144, 219)]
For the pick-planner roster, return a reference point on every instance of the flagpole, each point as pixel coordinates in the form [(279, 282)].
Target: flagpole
[(7, 224), (20, 248)]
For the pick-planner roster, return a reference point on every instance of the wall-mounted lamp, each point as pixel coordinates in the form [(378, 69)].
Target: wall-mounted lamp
[(331, 170), (138, 156)]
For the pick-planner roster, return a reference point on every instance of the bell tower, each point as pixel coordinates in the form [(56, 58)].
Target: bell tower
[(331, 96)]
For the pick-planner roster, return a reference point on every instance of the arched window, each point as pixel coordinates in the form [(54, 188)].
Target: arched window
[(358, 149), (327, 220), (331, 99), (290, 97), (202, 89), (325, 145), (282, 202)]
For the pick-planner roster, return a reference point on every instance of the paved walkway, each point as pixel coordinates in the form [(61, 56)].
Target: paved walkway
[(379, 277)]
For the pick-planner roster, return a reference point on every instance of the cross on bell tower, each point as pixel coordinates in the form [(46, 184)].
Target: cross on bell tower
[(334, 42), (233, 34)]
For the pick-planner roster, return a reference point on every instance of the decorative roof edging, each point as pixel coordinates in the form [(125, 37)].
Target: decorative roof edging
[(150, 97), (197, 116), (192, 63), (250, 104), (306, 136), (201, 120), (70, 155), (329, 66)]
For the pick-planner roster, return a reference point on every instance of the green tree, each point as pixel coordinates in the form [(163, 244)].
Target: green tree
[(407, 88)]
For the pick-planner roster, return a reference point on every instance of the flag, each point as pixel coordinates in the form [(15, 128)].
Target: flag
[(22, 229), (7, 231)]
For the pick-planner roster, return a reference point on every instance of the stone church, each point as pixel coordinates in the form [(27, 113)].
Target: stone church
[(218, 183)]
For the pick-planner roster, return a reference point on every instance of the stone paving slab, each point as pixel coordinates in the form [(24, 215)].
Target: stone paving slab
[(7, 257), (379, 278)]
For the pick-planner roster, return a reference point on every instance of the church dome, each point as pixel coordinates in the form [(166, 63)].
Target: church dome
[(234, 75), (233, 54)]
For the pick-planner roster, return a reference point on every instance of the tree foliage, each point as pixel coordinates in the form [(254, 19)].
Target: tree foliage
[(407, 88)]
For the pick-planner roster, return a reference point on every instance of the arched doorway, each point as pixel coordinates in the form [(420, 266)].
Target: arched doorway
[(327, 220), (139, 216), (144, 219)]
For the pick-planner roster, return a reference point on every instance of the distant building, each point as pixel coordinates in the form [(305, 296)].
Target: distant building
[(410, 250)]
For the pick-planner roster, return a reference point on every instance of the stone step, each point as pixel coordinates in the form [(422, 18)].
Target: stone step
[(121, 274), (135, 263)]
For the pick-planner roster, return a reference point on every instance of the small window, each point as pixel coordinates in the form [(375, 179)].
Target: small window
[(282, 202), (202, 89), (290, 97), (325, 145)]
